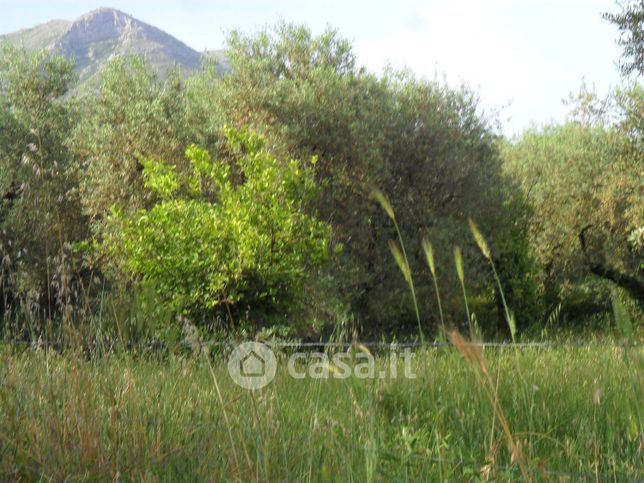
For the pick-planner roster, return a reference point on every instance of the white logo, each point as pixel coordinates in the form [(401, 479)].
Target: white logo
[(252, 365)]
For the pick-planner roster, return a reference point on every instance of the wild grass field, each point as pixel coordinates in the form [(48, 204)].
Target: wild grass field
[(564, 413)]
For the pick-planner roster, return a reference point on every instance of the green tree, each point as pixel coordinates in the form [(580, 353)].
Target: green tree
[(133, 115), (228, 238), (584, 181), (39, 212), (423, 144)]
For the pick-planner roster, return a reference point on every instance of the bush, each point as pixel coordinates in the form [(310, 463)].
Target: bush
[(230, 238)]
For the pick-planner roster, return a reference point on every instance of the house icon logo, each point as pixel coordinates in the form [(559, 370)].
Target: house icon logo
[(252, 365)]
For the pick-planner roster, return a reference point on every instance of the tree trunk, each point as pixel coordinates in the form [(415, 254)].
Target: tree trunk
[(630, 283)]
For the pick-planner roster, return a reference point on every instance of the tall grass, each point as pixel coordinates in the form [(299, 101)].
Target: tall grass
[(118, 417), (429, 256), (487, 253), (477, 361), (400, 255), (460, 273)]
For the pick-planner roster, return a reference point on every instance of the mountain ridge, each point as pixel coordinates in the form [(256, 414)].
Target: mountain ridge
[(96, 37)]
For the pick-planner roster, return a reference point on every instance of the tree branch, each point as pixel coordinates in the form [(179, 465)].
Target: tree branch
[(633, 285)]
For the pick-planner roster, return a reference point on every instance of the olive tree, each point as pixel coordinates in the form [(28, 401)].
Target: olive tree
[(39, 211), (425, 145), (584, 181)]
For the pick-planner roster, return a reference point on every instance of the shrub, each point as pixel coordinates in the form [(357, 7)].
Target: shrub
[(227, 238)]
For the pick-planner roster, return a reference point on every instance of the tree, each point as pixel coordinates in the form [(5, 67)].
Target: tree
[(584, 181), (230, 238), (132, 115), (423, 144), (39, 213), (630, 22)]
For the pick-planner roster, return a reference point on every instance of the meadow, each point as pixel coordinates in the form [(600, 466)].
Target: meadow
[(563, 413)]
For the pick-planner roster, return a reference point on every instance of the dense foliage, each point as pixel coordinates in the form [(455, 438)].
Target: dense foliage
[(584, 181), (230, 235), (39, 211), (105, 195), (425, 145)]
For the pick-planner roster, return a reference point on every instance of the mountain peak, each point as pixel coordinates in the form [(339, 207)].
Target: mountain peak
[(97, 36), (106, 16), (96, 26), (104, 11)]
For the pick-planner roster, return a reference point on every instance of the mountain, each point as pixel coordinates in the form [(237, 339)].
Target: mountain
[(94, 38)]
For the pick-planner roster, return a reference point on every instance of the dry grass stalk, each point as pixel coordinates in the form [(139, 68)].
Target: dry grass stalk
[(475, 358)]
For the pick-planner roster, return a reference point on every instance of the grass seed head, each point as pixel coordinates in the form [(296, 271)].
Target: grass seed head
[(429, 254), (480, 240), (363, 348), (384, 202), (400, 260), (458, 259)]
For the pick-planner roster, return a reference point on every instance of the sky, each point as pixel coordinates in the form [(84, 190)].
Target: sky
[(523, 57)]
